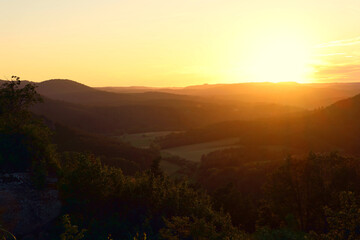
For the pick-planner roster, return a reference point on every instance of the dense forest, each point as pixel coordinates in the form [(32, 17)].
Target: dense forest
[(110, 189)]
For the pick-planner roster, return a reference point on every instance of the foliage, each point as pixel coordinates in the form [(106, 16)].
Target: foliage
[(267, 233), (71, 232), (24, 140), (15, 100), (277, 198), (106, 201), (302, 188), (198, 228), (155, 167), (137, 237), (235, 177), (344, 223)]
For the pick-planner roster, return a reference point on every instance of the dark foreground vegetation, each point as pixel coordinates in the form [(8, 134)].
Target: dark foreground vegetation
[(111, 190)]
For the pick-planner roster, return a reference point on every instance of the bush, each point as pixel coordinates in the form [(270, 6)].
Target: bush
[(106, 202)]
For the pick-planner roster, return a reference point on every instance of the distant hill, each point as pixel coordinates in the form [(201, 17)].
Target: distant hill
[(57, 87), (301, 95), (134, 89), (73, 92), (82, 107), (332, 128), (308, 96), (108, 113)]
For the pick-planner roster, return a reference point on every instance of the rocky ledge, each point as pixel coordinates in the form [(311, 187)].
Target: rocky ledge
[(23, 209)]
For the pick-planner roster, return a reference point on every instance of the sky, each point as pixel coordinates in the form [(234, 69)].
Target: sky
[(171, 43)]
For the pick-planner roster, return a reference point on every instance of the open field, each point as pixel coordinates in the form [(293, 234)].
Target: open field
[(191, 152), (143, 140), (194, 152)]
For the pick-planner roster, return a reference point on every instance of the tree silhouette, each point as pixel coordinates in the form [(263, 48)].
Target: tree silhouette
[(155, 167), (24, 139)]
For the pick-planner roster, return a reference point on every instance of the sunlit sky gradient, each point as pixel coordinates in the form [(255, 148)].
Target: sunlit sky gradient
[(179, 43)]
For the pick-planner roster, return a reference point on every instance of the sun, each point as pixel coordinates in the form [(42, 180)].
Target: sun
[(279, 58)]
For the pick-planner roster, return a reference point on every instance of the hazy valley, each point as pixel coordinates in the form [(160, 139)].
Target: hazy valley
[(239, 144)]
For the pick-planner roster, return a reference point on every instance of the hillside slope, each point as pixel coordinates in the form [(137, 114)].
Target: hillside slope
[(333, 128), (112, 152), (74, 92), (100, 112)]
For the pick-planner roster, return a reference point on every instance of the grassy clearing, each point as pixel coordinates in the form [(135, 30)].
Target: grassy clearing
[(143, 140), (195, 151), (191, 152)]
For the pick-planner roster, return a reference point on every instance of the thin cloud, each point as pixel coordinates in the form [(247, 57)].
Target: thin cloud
[(349, 72), (345, 42), (338, 69), (329, 54)]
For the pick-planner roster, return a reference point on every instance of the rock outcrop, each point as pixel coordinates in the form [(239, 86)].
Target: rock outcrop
[(24, 209)]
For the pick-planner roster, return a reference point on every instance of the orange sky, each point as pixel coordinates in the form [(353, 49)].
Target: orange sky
[(179, 43)]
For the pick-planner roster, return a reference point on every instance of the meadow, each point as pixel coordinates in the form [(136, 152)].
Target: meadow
[(194, 152), (191, 153), (143, 140)]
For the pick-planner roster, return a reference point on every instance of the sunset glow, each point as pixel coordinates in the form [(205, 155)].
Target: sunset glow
[(180, 43), (279, 59)]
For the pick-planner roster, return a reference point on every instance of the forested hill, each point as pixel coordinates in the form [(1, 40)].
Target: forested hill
[(74, 92), (112, 152), (88, 109), (330, 128)]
